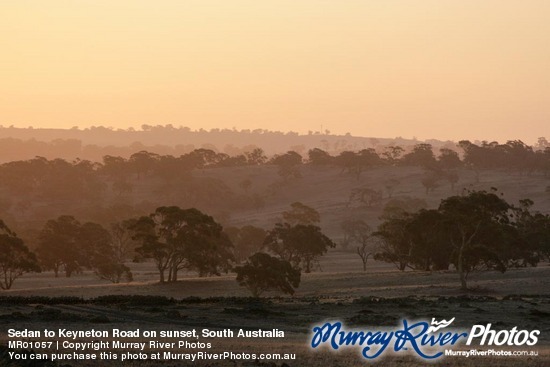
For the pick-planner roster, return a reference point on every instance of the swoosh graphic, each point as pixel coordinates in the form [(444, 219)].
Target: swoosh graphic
[(439, 325)]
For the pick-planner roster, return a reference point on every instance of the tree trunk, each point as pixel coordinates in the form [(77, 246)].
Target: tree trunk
[(460, 269), (170, 273), (308, 266), (175, 273), (402, 265), (463, 284), (8, 281)]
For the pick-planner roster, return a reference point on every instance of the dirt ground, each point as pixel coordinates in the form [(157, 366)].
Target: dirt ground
[(295, 316), (380, 297), (339, 275)]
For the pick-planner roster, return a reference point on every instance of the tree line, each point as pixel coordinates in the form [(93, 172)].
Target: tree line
[(476, 230), (83, 180), (97, 141), (174, 239)]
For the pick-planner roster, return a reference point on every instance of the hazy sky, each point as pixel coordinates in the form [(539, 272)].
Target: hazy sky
[(476, 69)]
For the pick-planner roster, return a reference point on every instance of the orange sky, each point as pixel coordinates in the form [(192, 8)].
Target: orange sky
[(428, 68)]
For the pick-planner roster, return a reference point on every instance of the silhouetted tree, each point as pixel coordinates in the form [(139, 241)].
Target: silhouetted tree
[(530, 240), (396, 242), (246, 240), (452, 177), (301, 214), (319, 157), (421, 155), (360, 232), (474, 157), (122, 244), (102, 252), (415, 240), (476, 228), (535, 234), (94, 241), (299, 244), (122, 187), (115, 167), (366, 196), (255, 157), (347, 230), (65, 244), (398, 206), (58, 248), (430, 181), (263, 272), (514, 155), (142, 162), (21, 178), (448, 159), (393, 154), (350, 162), (15, 258), (289, 165), (369, 158), (113, 272), (206, 157), (183, 238), (430, 248)]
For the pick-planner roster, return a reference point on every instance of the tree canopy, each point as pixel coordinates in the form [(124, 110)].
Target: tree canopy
[(15, 258), (472, 231), (178, 238), (246, 240), (263, 272), (58, 246), (301, 214), (67, 245), (299, 244)]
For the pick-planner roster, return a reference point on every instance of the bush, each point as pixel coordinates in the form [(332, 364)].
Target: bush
[(263, 272)]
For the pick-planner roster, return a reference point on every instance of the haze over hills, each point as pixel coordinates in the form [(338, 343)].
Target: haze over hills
[(95, 142), (250, 170)]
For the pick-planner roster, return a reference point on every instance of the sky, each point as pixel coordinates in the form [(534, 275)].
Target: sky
[(461, 69)]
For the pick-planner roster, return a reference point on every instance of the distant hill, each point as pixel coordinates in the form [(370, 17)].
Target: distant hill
[(95, 142)]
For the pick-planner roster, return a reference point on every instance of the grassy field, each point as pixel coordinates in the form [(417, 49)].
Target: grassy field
[(340, 275), (294, 315), (379, 297)]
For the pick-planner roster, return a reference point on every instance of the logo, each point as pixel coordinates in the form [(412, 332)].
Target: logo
[(503, 337), (426, 340)]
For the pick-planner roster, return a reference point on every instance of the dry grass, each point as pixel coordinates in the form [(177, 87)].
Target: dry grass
[(334, 294)]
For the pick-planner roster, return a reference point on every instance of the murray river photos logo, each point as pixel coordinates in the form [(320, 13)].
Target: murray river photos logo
[(426, 340)]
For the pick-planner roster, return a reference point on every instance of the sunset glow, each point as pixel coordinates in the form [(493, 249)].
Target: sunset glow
[(431, 69)]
